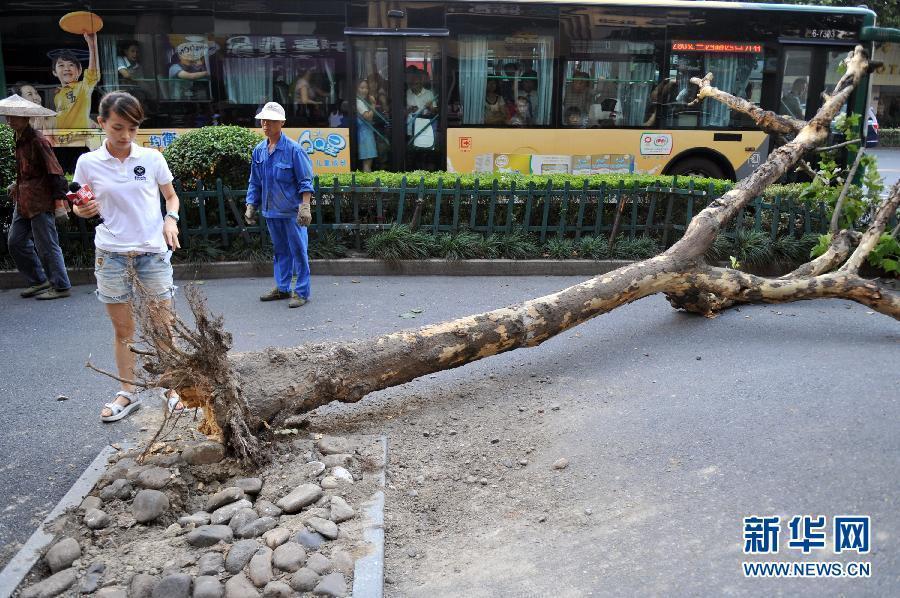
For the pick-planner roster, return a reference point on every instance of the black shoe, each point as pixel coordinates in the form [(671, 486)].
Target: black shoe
[(35, 290), (275, 295)]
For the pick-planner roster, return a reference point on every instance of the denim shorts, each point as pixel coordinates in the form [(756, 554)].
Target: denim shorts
[(154, 270)]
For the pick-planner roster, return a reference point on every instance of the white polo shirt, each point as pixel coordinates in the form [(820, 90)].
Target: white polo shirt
[(128, 193)]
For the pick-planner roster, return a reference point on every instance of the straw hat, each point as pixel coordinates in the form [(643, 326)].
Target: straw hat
[(16, 105), (271, 111)]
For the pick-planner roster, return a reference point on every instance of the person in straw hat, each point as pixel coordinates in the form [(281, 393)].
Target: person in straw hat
[(39, 194), (281, 186)]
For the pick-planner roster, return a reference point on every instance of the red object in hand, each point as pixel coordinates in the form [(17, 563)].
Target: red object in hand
[(79, 194)]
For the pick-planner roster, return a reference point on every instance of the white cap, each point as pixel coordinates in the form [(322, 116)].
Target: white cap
[(271, 111)]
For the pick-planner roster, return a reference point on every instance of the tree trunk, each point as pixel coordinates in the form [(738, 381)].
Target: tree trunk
[(245, 392)]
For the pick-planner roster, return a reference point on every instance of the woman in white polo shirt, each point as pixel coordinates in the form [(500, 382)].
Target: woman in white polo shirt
[(126, 180)]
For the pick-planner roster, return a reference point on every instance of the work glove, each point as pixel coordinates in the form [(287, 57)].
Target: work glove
[(250, 214), (304, 215)]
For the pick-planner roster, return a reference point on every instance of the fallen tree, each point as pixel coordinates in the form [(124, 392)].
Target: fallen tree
[(243, 394)]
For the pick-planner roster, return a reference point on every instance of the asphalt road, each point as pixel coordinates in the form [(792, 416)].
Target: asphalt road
[(792, 410), (888, 164)]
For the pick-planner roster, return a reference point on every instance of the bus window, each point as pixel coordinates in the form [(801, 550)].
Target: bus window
[(736, 68), (503, 81), (612, 87), (795, 82)]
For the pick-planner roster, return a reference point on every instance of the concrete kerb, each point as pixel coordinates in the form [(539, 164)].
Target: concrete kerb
[(10, 279), (24, 560), (368, 574)]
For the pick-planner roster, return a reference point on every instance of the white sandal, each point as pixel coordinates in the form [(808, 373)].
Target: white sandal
[(172, 402), (120, 411)]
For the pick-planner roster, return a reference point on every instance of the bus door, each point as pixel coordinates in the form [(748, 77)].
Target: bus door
[(806, 71), (398, 116)]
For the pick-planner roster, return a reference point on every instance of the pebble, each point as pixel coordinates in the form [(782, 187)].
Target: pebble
[(289, 557), (342, 561), (329, 483), (133, 472), (54, 585), (260, 568), (333, 584), (240, 554), (111, 592), (267, 509), (96, 519), (208, 535), (62, 554), (154, 478), (277, 589), (242, 518), (304, 580), (212, 563), (318, 563), (332, 445), (276, 537), (342, 475), (92, 578), (249, 485), (207, 586), (561, 463), (142, 585), (176, 585), (119, 488), (257, 528), (119, 470), (204, 452), (555, 407), (240, 587), (339, 460), (327, 528), (224, 514), (301, 496), (173, 531), (523, 462), (149, 505), (224, 497), (313, 469), (91, 502), (309, 540), (197, 519), (340, 510)]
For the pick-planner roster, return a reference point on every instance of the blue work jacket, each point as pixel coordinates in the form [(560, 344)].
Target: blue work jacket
[(279, 180)]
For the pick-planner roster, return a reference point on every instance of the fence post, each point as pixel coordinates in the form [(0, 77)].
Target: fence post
[(473, 206), (648, 226), (437, 206), (510, 206), (634, 210), (457, 189), (493, 206), (401, 200), (526, 222), (601, 205), (545, 219), (582, 202), (667, 221)]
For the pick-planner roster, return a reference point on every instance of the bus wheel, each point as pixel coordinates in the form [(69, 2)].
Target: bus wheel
[(700, 167)]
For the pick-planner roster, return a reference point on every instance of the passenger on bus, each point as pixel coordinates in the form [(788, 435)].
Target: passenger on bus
[(659, 105), (366, 150), (306, 97), (528, 88), (510, 83), (495, 112), (793, 101), (128, 62), (419, 99), (522, 115), (574, 117), (30, 93), (579, 94)]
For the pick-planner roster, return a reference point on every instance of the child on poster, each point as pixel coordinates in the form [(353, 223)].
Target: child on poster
[(73, 98)]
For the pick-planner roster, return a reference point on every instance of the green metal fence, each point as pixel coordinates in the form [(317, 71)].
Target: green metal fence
[(663, 212)]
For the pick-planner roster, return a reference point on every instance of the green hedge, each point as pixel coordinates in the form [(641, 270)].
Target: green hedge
[(889, 137), (7, 157), (209, 153)]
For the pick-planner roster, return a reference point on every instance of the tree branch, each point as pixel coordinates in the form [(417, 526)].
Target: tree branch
[(839, 204), (820, 150), (91, 366), (766, 120), (873, 233)]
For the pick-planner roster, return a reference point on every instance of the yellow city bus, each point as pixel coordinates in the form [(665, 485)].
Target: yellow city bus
[(465, 86)]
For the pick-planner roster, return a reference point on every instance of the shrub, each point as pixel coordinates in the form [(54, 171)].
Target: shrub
[(719, 250), (560, 248), (399, 243), (328, 245), (635, 249), (889, 137), (7, 157), (592, 248), (489, 246), (517, 245), (459, 246), (752, 248), (793, 250), (209, 153)]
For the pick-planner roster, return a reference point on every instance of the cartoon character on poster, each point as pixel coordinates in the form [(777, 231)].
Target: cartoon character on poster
[(189, 59), (76, 85)]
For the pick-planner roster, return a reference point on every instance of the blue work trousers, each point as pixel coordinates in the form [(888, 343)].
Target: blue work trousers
[(34, 246), (289, 240)]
